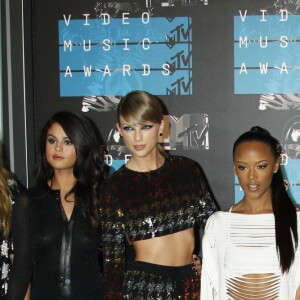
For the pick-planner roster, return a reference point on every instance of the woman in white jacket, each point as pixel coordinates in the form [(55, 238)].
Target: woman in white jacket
[(251, 251)]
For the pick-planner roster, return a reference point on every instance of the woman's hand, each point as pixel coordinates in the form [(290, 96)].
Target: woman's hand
[(28, 293), (197, 264)]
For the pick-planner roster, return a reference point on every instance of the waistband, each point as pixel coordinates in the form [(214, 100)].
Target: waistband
[(180, 272)]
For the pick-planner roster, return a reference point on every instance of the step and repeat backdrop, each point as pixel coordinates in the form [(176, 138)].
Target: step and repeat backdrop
[(220, 67)]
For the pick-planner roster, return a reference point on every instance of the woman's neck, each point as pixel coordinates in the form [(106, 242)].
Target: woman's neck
[(63, 181), (247, 206), (146, 164)]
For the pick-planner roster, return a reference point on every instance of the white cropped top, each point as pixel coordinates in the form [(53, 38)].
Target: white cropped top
[(239, 248)]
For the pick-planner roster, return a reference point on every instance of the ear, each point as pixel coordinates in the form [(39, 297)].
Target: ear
[(162, 126), (277, 164), (234, 170), (118, 127)]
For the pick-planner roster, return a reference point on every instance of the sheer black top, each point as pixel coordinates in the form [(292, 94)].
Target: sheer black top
[(52, 252), (143, 205)]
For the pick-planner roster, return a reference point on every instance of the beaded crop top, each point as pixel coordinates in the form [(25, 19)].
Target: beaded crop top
[(143, 205)]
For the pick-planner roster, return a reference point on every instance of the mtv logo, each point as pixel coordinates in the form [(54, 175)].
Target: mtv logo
[(192, 131)]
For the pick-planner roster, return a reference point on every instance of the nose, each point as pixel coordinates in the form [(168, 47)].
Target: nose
[(137, 135), (252, 173), (59, 147)]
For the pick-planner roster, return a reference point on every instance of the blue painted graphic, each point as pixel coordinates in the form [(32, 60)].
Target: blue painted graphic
[(238, 192), (266, 54), (100, 58), (293, 178)]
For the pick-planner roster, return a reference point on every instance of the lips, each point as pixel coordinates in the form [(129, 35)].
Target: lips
[(57, 157), (253, 187), (139, 147)]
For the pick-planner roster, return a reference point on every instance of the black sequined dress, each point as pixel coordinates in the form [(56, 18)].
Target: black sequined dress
[(144, 205)]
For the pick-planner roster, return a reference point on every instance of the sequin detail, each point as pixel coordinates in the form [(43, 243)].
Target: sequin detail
[(6, 246), (152, 282), (141, 205)]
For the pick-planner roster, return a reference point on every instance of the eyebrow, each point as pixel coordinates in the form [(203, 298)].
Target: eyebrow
[(260, 161), (139, 124), (52, 135)]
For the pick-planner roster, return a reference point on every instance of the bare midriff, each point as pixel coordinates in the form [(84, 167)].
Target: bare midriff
[(253, 286), (169, 250)]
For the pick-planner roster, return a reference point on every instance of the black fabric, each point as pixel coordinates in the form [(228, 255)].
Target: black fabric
[(143, 205), (146, 281), (65, 282), (38, 228)]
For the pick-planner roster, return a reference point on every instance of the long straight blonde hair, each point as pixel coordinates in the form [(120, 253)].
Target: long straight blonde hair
[(5, 202)]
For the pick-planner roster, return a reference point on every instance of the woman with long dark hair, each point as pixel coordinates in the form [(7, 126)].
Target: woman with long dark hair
[(251, 251), (56, 224)]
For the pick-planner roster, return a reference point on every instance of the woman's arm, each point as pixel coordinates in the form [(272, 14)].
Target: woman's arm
[(298, 294), (207, 204), (113, 247)]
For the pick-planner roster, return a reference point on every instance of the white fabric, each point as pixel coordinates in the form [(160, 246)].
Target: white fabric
[(229, 252)]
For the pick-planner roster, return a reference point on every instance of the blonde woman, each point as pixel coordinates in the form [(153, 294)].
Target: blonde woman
[(9, 187), (154, 201)]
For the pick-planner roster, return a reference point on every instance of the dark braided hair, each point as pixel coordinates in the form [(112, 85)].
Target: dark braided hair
[(283, 207)]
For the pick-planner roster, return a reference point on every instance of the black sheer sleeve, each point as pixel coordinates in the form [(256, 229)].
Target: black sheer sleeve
[(21, 272), (206, 201)]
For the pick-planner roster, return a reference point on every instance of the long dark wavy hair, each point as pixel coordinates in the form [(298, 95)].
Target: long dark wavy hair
[(284, 208), (89, 169)]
